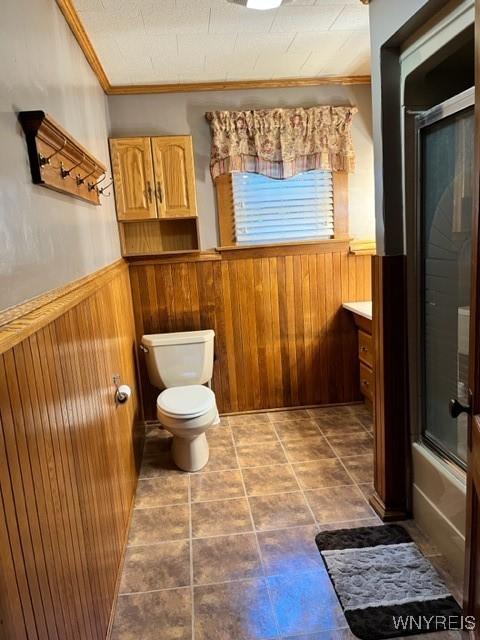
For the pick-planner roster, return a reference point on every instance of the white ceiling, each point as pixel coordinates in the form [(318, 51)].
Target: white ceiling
[(177, 41)]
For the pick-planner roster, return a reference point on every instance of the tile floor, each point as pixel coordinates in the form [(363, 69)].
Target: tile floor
[(228, 553)]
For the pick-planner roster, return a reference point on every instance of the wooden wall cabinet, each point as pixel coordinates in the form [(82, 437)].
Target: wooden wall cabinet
[(154, 181), (132, 168), (174, 176)]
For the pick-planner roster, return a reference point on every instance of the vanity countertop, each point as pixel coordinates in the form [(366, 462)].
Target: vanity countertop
[(363, 309)]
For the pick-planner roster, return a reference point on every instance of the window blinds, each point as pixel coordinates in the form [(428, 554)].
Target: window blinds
[(268, 210)]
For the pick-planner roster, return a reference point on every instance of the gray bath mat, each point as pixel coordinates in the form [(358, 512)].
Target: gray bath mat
[(386, 587)]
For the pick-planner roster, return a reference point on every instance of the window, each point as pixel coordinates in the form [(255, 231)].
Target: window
[(254, 209), (268, 210)]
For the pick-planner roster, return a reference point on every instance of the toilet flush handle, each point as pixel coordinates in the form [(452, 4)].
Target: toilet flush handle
[(143, 348)]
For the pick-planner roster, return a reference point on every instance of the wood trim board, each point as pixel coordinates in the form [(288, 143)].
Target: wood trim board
[(121, 564), (76, 26), (247, 251), (340, 204), (275, 250), (183, 256), (392, 450), (232, 85), (223, 185), (363, 247)]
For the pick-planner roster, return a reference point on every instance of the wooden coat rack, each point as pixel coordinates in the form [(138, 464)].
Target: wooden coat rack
[(58, 161)]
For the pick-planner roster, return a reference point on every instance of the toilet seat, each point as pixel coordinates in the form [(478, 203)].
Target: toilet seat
[(187, 402), (189, 427)]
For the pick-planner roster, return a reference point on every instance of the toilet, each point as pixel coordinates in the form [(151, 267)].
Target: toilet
[(181, 364)]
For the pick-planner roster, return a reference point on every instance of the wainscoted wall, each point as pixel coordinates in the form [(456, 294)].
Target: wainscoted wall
[(282, 338), (68, 471)]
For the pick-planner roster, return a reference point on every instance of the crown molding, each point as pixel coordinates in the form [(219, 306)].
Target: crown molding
[(73, 20), (281, 83)]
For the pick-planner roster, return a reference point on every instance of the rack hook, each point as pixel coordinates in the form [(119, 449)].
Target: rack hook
[(101, 191), (66, 172), (43, 160), (92, 185), (81, 181)]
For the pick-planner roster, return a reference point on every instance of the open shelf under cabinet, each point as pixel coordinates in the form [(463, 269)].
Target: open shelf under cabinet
[(162, 235)]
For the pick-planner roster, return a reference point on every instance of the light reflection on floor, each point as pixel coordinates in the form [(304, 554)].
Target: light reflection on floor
[(229, 553)]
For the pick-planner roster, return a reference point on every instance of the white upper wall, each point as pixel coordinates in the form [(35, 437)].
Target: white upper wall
[(47, 239), (184, 113)]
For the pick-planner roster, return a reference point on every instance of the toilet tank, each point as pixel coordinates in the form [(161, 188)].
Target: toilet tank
[(177, 359)]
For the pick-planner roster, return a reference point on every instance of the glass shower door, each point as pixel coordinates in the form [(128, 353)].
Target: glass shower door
[(446, 148)]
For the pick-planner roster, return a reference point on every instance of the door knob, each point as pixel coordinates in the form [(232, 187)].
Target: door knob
[(456, 408)]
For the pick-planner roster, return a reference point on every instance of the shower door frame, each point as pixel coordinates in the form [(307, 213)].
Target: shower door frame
[(415, 123)]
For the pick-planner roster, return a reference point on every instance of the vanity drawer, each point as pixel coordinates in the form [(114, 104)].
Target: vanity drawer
[(365, 348), (367, 381)]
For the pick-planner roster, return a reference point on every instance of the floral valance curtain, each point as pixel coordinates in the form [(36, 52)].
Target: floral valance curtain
[(280, 143)]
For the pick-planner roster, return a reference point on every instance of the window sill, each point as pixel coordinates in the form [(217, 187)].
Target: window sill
[(286, 248), (363, 247)]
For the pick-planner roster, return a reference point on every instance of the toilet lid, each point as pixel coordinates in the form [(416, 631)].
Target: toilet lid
[(186, 402)]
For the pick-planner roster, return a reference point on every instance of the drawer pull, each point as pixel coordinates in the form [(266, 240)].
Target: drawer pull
[(365, 383), (363, 349)]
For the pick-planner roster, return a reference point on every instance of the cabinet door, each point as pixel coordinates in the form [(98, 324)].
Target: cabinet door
[(174, 176), (133, 178)]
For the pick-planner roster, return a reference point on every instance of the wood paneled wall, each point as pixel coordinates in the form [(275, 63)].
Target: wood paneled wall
[(67, 471), (282, 337)]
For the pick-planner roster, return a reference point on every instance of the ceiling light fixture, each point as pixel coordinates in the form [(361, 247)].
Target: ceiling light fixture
[(263, 5)]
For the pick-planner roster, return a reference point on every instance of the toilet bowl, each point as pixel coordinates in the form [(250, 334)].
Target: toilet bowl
[(182, 364), (187, 412)]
